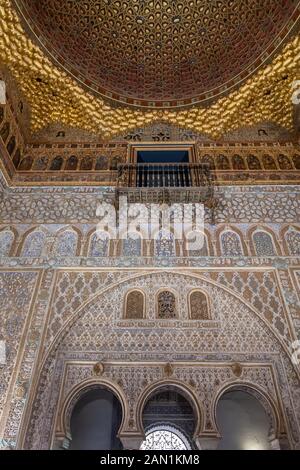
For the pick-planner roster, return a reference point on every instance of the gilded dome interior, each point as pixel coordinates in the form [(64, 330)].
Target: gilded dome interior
[(159, 53), (55, 70)]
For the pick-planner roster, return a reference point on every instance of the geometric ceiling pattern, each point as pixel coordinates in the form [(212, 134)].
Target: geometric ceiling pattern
[(54, 97), (159, 53)]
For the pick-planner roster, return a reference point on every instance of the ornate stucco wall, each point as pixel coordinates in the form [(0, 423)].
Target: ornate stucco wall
[(61, 315)]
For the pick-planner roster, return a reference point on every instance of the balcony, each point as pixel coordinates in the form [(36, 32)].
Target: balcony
[(166, 183)]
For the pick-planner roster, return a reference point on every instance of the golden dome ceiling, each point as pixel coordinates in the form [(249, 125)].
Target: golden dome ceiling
[(159, 53), (54, 97)]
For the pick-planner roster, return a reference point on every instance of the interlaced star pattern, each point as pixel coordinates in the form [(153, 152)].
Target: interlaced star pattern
[(157, 50)]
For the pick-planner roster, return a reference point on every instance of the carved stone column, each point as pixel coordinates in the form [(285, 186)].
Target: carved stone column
[(148, 248), (131, 441), (84, 246), (17, 245), (61, 442), (116, 245), (248, 247), (282, 443), (48, 246), (215, 248), (274, 443), (207, 442), (180, 244)]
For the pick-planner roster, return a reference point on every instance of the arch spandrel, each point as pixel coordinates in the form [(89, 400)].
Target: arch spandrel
[(94, 327), (240, 288)]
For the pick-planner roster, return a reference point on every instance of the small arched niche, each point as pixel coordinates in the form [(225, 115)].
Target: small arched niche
[(197, 244), (169, 421), (56, 164), (166, 304), (25, 164), (231, 244), (134, 305), (199, 307), (99, 244), (66, 243), (72, 163), (263, 243), (95, 421), (292, 239), (34, 244), (243, 422)]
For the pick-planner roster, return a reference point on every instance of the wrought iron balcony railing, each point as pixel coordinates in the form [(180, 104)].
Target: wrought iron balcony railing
[(166, 182), (164, 175)]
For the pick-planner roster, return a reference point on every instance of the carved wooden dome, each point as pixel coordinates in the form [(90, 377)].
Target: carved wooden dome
[(159, 53)]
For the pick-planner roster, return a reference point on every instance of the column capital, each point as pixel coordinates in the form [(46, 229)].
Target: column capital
[(61, 442), (274, 443), (132, 440), (207, 442)]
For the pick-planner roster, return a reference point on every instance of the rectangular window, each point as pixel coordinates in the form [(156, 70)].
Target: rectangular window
[(163, 168)]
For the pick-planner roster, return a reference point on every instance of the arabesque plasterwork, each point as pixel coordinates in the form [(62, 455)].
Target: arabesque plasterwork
[(96, 327), (80, 308), (75, 333)]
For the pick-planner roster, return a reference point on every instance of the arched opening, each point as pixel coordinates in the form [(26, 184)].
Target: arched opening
[(95, 421), (231, 244), (99, 244), (34, 244), (238, 163), (41, 163), (72, 163), (102, 163), (25, 164), (135, 305), (263, 244), (166, 304), (284, 162), (165, 437), (168, 420), (292, 238), (66, 244), (243, 422), (253, 163), (197, 244), (56, 164), (86, 163), (223, 163), (199, 308), (269, 162)]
